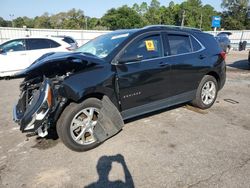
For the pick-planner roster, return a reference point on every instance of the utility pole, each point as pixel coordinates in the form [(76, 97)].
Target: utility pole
[(11, 18), (201, 21), (248, 11), (86, 21), (183, 18)]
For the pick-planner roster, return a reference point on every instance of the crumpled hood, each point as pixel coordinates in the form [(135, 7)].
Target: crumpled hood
[(59, 62)]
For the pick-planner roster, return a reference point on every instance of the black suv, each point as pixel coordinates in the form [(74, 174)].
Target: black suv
[(85, 95)]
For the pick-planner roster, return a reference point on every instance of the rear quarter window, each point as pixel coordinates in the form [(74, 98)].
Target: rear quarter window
[(53, 44), (209, 42), (196, 45)]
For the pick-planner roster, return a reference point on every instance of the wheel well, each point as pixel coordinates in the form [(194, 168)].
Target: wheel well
[(215, 75), (93, 95)]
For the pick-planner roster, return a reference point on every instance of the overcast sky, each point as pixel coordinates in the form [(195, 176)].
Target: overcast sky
[(92, 8)]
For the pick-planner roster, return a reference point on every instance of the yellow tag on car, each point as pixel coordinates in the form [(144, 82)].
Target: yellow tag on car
[(150, 45)]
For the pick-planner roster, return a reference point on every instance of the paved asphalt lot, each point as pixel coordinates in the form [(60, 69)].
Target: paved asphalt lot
[(178, 147)]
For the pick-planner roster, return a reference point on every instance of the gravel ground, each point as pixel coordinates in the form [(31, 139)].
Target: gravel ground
[(177, 147)]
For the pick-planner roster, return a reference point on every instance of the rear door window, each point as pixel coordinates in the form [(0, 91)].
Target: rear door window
[(53, 44), (179, 44), (37, 44)]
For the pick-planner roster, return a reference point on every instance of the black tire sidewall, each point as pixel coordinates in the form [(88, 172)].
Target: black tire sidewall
[(64, 122), (198, 101)]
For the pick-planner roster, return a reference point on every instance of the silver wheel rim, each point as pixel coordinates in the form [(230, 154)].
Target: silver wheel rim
[(208, 92), (83, 124)]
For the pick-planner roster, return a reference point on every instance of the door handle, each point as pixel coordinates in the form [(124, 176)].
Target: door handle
[(23, 54), (163, 64), (202, 56)]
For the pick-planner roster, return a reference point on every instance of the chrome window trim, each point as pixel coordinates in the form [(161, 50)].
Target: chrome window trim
[(164, 56), (201, 49), (133, 62)]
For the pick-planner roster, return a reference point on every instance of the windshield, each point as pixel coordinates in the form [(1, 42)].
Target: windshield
[(102, 46)]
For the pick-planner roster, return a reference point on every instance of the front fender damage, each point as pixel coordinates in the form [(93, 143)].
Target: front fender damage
[(110, 121)]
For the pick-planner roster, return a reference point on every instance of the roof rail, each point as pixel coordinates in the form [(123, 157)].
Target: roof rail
[(172, 27)]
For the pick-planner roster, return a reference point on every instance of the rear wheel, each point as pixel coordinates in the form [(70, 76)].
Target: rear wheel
[(249, 58), (76, 125), (206, 93)]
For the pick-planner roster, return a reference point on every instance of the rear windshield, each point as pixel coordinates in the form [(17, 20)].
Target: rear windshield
[(68, 40)]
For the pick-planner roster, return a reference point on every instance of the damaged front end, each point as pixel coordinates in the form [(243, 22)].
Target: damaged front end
[(59, 82), (35, 106)]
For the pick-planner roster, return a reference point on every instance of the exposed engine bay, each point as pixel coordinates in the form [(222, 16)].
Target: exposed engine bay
[(38, 104), (41, 104)]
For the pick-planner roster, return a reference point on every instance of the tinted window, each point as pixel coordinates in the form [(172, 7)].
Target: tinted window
[(147, 48), (196, 45), (13, 46), (53, 44), (68, 40), (36, 44), (179, 44)]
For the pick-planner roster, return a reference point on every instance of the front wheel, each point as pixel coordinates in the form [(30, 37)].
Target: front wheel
[(206, 93), (76, 125)]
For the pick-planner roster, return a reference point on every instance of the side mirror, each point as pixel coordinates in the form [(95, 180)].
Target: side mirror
[(132, 58)]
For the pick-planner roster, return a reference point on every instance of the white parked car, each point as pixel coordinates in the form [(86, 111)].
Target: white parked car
[(18, 54)]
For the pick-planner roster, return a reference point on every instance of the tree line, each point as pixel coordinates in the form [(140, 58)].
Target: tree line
[(190, 13)]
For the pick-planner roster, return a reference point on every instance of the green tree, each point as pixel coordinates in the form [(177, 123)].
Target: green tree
[(5, 23), (122, 18), (18, 22), (170, 14), (74, 19), (57, 20), (207, 13), (153, 14), (42, 21), (193, 11), (232, 4), (235, 14)]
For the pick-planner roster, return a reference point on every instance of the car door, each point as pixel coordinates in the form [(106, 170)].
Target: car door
[(187, 62), (36, 47), (13, 56), (142, 75)]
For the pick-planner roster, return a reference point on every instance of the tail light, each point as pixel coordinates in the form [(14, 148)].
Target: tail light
[(223, 55)]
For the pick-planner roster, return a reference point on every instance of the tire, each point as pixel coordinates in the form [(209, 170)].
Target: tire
[(72, 113), (200, 101), (249, 58)]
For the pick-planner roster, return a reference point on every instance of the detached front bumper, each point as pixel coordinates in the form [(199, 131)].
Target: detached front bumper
[(32, 116)]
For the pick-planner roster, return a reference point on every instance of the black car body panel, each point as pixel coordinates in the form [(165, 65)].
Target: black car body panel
[(137, 86), (61, 62)]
